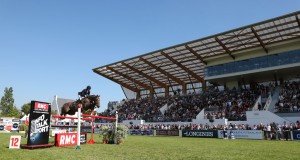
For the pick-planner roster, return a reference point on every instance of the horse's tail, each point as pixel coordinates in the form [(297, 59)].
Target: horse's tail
[(64, 109), (62, 112)]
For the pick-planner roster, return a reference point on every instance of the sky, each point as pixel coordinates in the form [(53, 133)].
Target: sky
[(49, 48)]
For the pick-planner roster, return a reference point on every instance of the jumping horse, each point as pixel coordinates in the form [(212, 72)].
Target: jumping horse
[(86, 104)]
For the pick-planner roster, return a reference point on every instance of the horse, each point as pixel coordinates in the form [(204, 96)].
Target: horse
[(87, 103)]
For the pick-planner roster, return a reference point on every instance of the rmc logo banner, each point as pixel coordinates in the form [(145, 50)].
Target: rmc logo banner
[(65, 139), (69, 139)]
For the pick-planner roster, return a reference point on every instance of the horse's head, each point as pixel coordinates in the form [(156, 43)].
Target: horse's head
[(95, 99)]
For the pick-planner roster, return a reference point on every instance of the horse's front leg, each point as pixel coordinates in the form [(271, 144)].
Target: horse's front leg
[(80, 105)]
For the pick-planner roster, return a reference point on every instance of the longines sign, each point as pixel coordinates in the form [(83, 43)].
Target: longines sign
[(200, 133)]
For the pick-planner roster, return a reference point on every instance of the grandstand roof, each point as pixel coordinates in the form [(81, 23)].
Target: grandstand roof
[(185, 63)]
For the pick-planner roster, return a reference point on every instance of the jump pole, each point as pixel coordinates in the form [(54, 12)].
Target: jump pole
[(78, 128), (91, 141)]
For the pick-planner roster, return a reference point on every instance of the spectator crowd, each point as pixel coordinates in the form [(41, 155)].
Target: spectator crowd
[(230, 104), (289, 97)]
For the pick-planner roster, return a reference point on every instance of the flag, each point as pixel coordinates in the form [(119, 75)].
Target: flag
[(27, 121)]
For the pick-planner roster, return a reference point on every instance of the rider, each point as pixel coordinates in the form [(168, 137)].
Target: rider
[(85, 92)]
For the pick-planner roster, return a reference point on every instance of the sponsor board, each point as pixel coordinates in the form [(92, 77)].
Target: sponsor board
[(58, 131), (8, 128), (221, 133), (200, 133), (15, 127), (40, 106), (140, 132), (69, 139), (65, 139), (167, 132), (39, 123), (296, 135), (83, 137), (242, 134)]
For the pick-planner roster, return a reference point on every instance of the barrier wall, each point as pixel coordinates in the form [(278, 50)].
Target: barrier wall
[(242, 134), (238, 134), (133, 122), (140, 132), (295, 135), (166, 133), (69, 139)]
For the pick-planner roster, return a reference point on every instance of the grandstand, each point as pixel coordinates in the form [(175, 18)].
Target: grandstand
[(245, 75)]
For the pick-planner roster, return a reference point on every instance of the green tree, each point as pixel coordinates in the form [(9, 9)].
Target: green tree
[(26, 108), (7, 104), (15, 112)]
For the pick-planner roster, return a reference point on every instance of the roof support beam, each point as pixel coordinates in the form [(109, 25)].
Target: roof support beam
[(224, 47), (162, 71), (131, 79), (119, 82), (192, 84), (195, 54), (260, 41), (184, 68), (298, 21), (145, 75), (152, 91), (171, 86)]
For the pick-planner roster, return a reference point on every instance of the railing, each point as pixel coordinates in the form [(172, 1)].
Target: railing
[(255, 107), (164, 108), (267, 105)]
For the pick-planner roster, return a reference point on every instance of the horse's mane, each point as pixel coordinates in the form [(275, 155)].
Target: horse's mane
[(93, 96)]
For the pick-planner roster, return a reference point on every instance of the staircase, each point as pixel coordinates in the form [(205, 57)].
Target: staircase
[(270, 106)]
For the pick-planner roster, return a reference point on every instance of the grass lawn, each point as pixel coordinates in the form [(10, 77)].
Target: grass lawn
[(159, 148)]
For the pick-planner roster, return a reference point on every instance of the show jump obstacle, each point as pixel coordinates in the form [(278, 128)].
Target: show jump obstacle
[(84, 117), (39, 125)]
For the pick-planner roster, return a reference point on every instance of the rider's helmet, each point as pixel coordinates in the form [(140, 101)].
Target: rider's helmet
[(88, 87)]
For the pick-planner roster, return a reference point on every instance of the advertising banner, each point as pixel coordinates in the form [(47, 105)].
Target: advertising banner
[(221, 134), (69, 139), (242, 134), (56, 131), (167, 132), (83, 138), (140, 132), (200, 133), (15, 125), (65, 139), (296, 135), (39, 122)]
